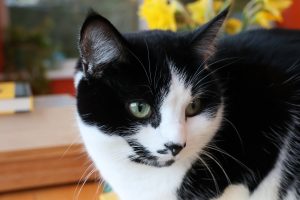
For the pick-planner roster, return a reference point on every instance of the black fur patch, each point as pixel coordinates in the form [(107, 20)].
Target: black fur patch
[(143, 156), (256, 74), (259, 74)]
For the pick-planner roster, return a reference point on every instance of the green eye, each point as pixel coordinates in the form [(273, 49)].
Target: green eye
[(140, 109), (193, 108)]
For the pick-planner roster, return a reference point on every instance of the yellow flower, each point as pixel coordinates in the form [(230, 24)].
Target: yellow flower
[(265, 18), (233, 26), (218, 4), (203, 10), (159, 14), (277, 5), (199, 11)]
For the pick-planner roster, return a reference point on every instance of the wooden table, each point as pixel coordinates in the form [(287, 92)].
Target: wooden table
[(43, 147), (88, 191)]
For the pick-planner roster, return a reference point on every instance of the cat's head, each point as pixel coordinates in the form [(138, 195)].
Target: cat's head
[(148, 97)]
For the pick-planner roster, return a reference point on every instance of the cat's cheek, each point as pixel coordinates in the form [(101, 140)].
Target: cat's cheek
[(101, 146), (201, 129)]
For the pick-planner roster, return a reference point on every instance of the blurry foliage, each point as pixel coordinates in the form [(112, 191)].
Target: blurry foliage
[(26, 54), (181, 15), (68, 15), (50, 28)]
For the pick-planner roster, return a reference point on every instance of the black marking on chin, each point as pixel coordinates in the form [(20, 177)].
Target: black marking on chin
[(153, 163), (163, 151), (140, 150), (144, 156), (169, 162)]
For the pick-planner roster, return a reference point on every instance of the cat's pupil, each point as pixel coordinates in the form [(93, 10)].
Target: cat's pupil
[(141, 107), (193, 105)]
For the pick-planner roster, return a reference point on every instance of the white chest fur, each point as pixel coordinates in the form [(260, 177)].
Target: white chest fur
[(131, 181)]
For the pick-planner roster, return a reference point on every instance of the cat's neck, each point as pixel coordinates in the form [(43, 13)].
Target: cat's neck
[(131, 181)]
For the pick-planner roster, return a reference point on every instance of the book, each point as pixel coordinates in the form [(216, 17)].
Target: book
[(15, 97)]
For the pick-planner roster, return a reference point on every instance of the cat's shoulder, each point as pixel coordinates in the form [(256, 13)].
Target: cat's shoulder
[(262, 40)]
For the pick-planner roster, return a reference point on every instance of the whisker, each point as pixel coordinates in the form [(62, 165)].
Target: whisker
[(197, 73), (212, 72), (86, 179), (212, 175), (149, 64), (236, 131), (232, 157), (69, 146), (135, 56), (79, 181), (213, 159)]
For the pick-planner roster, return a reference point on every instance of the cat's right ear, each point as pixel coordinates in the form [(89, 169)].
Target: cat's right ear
[(100, 44), (204, 39)]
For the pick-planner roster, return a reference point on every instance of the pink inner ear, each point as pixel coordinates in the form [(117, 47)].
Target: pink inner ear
[(100, 42), (98, 45)]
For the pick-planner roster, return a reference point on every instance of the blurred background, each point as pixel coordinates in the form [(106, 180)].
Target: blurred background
[(41, 156), (38, 38), (45, 33)]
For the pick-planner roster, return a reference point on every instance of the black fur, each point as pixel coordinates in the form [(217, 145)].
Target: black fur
[(143, 156), (259, 73), (256, 74)]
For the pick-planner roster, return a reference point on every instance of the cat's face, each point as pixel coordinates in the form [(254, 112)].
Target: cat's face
[(152, 90)]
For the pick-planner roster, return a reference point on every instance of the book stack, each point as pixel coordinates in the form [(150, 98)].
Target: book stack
[(15, 97)]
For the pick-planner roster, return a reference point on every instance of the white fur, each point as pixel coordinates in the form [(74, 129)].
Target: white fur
[(133, 181), (196, 132), (78, 76), (104, 49), (235, 192), (291, 195), (172, 128), (97, 47), (268, 189)]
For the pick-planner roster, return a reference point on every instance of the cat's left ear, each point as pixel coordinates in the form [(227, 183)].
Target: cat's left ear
[(204, 39), (100, 44)]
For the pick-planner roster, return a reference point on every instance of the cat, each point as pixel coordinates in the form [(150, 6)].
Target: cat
[(191, 115)]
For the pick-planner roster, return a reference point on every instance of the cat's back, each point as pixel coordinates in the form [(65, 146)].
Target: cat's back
[(260, 72), (277, 47)]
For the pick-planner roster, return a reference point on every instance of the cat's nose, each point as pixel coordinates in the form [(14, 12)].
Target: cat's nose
[(174, 148)]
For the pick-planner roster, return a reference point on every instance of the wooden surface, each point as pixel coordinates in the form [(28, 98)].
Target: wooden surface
[(89, 191), (51, 124), (43, 147)]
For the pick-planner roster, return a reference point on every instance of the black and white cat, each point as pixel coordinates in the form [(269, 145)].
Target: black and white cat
[(184, 116)]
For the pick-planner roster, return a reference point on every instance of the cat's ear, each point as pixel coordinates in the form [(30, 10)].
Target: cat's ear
[(204, 39), (100, 43)]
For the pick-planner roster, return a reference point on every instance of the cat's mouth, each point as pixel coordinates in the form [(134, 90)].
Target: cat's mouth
[(143, 156), (153, 161)]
